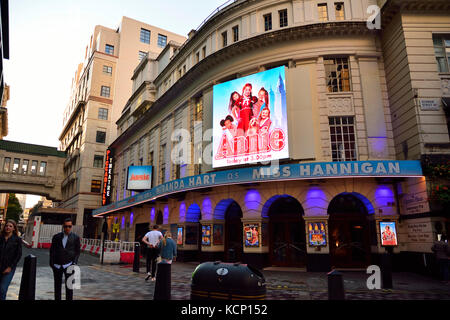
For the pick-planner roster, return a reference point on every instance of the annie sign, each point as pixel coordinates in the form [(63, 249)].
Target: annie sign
[(250, 119), (139, 178)]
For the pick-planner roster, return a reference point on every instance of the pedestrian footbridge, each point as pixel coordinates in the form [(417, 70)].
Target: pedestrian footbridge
[(31, 169)]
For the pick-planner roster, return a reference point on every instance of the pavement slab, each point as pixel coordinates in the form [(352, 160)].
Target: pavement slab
[(119, 282)]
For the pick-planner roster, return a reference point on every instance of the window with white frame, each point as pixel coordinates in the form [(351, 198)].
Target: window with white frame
[(145, 35), (142, 55), (224, 39), (42, 168), (343, 139), (162, 40), (105, 91), (107, 70), (7, 165), (16, 164), (442, 51), (103, 113), (235, 33), (337, 74), (283, 18), (109, 49), (267, 22), (98, 161)]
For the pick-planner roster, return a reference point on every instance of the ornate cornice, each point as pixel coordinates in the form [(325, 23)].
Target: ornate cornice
[(319, 30)]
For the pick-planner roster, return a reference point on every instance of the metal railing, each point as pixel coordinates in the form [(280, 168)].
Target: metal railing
[(110, 246)]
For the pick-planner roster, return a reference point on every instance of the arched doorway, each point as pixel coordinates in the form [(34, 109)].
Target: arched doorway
[(287, 239), (348, 229), (159, 218), (193, 227), (233, 232)]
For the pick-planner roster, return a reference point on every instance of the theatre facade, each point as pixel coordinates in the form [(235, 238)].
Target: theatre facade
[(267, 138)]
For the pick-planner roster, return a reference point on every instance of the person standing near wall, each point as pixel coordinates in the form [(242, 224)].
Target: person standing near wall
[(442, 252), (151, 239), (163, 283), (10, 254)]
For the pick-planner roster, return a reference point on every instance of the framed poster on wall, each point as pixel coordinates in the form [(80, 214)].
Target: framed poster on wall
[(180, 236), (191, 235), (251, 235), (218, 234), (206, 235), (388, 233), (316, 234)]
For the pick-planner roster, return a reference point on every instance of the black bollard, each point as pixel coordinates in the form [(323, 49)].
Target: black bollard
[(163, 282), (231, 255), (28, 281), (386, 270), (137, 258), (335, 286)]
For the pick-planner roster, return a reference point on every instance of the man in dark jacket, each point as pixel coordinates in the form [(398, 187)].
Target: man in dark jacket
[(64, 252)]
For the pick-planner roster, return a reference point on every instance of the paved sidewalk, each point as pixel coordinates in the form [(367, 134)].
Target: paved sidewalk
[(119, 282)]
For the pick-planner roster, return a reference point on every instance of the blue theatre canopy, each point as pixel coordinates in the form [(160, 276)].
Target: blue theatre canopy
[(297, 171)]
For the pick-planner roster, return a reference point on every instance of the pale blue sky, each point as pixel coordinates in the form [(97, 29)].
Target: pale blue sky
[(48, 40)]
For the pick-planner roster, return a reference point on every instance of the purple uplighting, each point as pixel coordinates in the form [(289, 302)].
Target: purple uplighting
[(207, 208), (182, 211), (193, 213), (152, 214), (166, 214), (252, 200)]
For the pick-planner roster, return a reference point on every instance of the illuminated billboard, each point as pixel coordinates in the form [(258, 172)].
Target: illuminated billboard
[(250, 119), (139, 178)]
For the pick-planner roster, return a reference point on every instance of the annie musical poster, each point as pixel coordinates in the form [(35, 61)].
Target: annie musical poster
[(250, 119)]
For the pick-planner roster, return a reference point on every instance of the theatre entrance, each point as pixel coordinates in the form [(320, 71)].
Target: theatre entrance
[(233, 233), (287, 233), (348, 229)]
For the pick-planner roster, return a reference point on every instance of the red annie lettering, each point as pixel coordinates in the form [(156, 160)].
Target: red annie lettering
[(277, 138), (225, 149)]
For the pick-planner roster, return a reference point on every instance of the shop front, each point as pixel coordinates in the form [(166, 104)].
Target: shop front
[(282, 219)]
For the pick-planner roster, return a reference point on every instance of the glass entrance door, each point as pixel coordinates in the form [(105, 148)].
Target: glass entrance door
[(349, 243), (288, 245), (233, 240)]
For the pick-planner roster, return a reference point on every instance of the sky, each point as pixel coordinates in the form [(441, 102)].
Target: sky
[(47, 41)]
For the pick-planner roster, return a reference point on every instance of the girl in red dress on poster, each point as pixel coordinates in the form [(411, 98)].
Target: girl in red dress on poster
[(246, 104), (264, 121), (388, 237), (263, 102), (234, 106)]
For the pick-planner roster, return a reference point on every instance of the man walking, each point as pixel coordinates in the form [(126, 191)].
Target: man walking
[(151, 239), (64, 252)]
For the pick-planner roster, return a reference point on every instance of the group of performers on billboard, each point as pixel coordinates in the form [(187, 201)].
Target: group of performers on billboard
[(247, 127), (248, 115)]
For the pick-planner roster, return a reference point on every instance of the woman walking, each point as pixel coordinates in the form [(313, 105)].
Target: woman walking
[(10, 254), (168, 252)]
